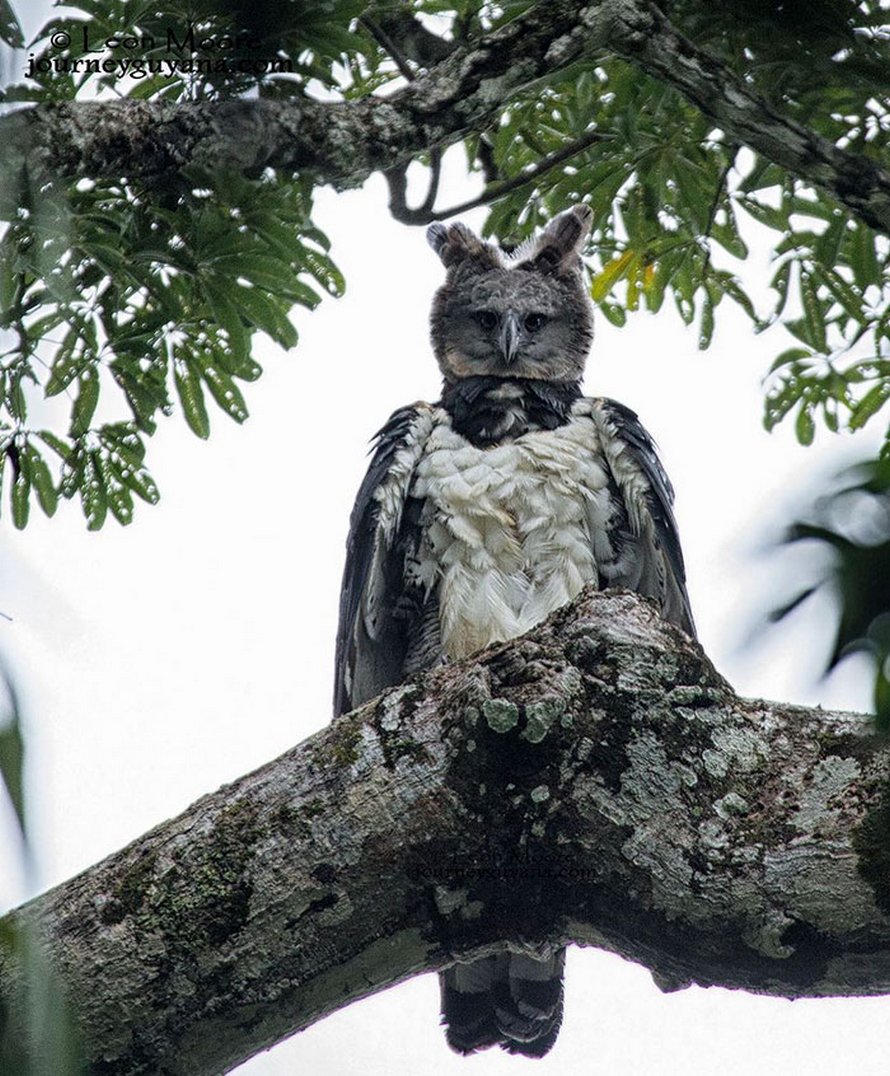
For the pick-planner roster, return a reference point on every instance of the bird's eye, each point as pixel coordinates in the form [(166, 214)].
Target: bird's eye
[(487, 319), (533, 322)]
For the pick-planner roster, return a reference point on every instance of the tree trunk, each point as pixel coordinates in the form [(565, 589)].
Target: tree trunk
[(595, 781)]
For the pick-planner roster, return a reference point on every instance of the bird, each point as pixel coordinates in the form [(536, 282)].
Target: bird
[(482, 513)]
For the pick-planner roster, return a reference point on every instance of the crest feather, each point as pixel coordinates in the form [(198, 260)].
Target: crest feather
[(456, 243), (557, 249)]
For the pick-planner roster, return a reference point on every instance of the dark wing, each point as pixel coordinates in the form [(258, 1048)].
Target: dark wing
[(380, 600), (652, 561)]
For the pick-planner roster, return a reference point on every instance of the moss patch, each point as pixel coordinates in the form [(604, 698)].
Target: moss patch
[(129, 894), (343, 741), (205, 895)]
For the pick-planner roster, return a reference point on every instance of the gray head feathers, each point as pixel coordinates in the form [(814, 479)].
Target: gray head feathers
[(525, 315)]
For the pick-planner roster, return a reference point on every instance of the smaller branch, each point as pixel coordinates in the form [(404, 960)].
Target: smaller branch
[(507, 186), (397, 181), (435, 176), (485, 157), (388, 45), (411, 37)]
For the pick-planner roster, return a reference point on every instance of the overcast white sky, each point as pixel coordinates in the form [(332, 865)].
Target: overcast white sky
[(161, 660)]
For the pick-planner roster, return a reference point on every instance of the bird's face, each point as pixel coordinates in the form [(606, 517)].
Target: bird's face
[(507, 322), (525, 316)]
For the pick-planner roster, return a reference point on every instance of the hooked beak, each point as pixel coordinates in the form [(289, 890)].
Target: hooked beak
[(509, 336)]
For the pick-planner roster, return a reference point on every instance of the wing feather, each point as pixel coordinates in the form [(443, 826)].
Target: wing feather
[(654, 564), (373, 636)]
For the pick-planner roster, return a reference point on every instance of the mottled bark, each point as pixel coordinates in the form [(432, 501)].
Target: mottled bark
[(595, 781), (343, 143)]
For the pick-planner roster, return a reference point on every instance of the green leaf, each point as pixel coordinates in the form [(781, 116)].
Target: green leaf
[(262, 270), (615, 313), (68, 364), (85, 404), (41, 480), (223, 389), (10, 31), (324, 271), (145, 389), (869, 405), (191, 396), (60, 447), (828, 245), (281, 237), (12, 759), (125, 453), (728, 283), (226, 314), (264, 313), (611, 273), (792, 354), (706, 325), (92, 493), (16, 401), (727, 235), (864, 260), (805, 427), (764, 174), (117, 495), (655, 281), (813, 312), (141, 483), (779, 283), (842, 291), (20, 498), (765, 214)]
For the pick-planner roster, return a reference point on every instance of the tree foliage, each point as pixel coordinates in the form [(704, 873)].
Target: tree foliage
[(124, 300)]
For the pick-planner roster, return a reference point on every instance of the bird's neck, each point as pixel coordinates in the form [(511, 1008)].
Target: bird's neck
[(488, 410)]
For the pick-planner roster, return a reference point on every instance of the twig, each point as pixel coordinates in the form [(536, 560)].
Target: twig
[(388, 45), (485, 157), (425, 214), (397, 181)]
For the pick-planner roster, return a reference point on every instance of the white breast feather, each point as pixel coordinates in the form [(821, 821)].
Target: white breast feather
[(515, 531)]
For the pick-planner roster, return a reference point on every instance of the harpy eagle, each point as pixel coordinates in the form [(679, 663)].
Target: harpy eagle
[(484, 512)]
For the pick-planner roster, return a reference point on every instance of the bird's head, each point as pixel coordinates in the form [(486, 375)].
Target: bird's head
[(521, 315)]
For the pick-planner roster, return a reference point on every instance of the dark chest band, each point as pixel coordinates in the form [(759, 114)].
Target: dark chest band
[(489, 410)]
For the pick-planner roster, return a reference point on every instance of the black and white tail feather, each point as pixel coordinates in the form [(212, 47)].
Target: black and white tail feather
[(511, 335), (512, 1000)]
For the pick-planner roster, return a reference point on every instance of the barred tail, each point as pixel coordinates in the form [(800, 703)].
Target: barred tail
[(511, 1000)]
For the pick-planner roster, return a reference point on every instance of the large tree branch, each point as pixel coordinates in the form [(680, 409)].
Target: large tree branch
[(342, 143), (594, 781)]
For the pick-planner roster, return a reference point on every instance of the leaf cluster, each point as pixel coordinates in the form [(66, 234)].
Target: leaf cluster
[(656, 177), (852, 525), (119, 302), (830, 272)]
